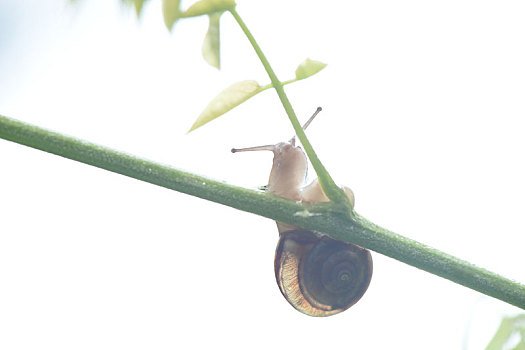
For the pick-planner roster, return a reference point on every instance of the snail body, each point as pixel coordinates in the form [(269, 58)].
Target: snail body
[(318, 275)]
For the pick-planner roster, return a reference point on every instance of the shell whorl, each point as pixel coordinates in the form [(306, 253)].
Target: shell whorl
[(318, 275)]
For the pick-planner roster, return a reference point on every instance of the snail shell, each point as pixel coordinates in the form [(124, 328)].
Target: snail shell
[(318, 275)]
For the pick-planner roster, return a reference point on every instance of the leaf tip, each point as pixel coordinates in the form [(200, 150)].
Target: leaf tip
[(193, 127), (226, 100), (171, 12)]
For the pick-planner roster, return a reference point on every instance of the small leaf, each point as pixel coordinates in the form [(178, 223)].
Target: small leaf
[(502, 335), (138, 6), (206, 7), (226, 100), (308, 68), (171, 12), (509, 326), (211, 45)]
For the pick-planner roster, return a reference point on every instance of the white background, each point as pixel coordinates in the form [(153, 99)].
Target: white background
[(423, 107)]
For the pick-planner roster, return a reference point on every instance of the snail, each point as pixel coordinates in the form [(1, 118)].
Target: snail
[(318, 275)]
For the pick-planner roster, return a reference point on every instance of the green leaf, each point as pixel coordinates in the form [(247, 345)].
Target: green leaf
[(502, 335), (308, 68), (207, 7), (509, 326), (226, 100), (211, 45), (171, 12), (138, 6)]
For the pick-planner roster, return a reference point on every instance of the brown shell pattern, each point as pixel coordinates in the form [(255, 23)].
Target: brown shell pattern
[(318, 275)]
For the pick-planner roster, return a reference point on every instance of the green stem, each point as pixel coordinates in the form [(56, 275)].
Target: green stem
[(328, 218), (331, 190), (290, 81), (269, 86)]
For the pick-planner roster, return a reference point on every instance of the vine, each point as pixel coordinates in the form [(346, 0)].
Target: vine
[(336, 218)]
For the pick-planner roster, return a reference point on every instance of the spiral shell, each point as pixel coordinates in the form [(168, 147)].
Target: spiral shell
[(318, 275)]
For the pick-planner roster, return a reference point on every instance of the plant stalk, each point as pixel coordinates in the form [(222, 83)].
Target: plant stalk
[(328, 218)]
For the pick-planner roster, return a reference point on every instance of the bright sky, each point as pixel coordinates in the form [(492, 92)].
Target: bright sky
[(422, 118)]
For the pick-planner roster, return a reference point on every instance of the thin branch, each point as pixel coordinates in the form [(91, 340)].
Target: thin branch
[(327, 183), (328, 218)]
